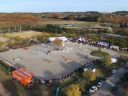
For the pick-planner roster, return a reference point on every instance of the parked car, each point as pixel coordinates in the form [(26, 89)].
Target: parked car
[(100, 83), (93, 89), (114, 71)]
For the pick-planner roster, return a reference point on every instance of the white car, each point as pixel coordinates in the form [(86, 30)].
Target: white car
[(114, 71), (92, 89), (99, 85)]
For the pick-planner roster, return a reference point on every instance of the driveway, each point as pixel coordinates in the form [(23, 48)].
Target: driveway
[(105, 90)]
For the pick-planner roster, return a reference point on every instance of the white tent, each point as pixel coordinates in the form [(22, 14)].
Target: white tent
[(113, 60), (63, 38), (85, 69), (94, 70)]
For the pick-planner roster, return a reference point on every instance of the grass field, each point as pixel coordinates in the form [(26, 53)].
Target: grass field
[(99, 53), (3, 39), (24, 34), (55, 21)]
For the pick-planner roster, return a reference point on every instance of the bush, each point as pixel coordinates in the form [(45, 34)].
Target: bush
[(89, 75), (99, 53), (73, 90), (106, 58)]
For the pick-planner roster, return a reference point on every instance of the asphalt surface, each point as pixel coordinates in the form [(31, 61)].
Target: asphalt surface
[(105, 90)]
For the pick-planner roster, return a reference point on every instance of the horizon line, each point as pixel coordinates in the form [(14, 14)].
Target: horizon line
[(62, 11)]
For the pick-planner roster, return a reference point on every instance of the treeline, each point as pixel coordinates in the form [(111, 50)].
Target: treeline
[(119, 17), (17, 22), (113, 19), (55, 29), (122, 13), (122, 21), (50, 29)]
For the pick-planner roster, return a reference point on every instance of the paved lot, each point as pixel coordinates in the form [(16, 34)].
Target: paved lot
[(46, 63)]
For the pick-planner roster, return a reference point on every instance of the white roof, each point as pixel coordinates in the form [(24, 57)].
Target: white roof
[(94, 70), (85, 69), (63, 38), (113, 60)]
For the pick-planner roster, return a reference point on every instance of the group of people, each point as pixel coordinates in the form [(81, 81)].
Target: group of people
[(63, 77)]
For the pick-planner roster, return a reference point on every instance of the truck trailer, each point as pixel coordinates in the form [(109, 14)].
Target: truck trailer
[(23, 76)]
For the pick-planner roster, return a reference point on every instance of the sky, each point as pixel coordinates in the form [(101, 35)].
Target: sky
[(63, 5)]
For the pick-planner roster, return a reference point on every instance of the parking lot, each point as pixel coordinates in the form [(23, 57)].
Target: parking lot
[(47, 63)]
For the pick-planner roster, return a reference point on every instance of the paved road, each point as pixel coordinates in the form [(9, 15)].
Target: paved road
[(105, 90), (3, 91)]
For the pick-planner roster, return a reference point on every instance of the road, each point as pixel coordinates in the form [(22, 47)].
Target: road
[(3, 91), (105, 90)]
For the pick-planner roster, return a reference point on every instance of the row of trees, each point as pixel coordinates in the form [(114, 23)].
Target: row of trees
[(50, 28), (122, 20), (122, 43), (17, 22)]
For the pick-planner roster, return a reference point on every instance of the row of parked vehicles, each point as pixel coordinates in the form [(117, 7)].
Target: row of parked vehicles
[(99, 84), (94, 88)]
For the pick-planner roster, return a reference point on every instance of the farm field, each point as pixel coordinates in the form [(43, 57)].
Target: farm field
[(24, 34), (59, 22)]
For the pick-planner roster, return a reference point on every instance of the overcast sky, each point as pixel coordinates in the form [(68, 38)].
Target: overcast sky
[(62, 5)]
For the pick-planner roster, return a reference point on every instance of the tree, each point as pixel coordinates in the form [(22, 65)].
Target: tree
[(93, 38), (2, 44), (107, 60), (121, 43), (57, 42), (90, 75), (73, 90), (56, 15), (69, 17)]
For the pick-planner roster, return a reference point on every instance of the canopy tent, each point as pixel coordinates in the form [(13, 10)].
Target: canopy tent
[(113, 60), (63, 38)]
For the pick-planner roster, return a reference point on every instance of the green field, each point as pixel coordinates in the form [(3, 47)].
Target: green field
[(54, 21), (99, 53)]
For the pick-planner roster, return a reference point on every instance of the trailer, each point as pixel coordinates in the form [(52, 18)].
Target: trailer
[(24, 77)]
